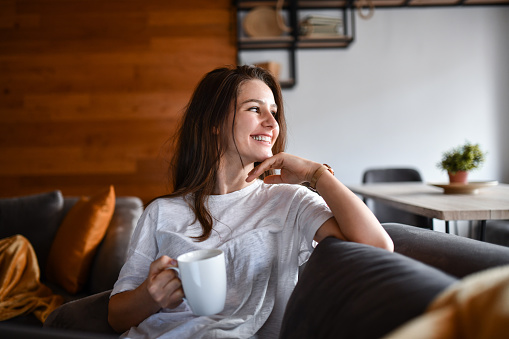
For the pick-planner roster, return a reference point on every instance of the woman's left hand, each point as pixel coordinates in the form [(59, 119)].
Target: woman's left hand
[(353, 221), (294, 170)]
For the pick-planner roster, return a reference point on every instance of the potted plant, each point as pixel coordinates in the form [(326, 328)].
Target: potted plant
[(460, 160)]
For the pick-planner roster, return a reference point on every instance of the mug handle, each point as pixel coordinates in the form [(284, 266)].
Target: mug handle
[(175, 269)]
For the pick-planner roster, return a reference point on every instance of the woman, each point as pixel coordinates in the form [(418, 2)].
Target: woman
[(234, 120)]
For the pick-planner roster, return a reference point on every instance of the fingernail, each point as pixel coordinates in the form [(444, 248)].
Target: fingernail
[(173, 262)]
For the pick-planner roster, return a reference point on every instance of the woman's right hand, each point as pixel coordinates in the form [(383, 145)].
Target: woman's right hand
[(161, 289), (163, 284)]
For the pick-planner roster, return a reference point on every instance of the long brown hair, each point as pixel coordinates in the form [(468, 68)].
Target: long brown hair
[(200, 141)]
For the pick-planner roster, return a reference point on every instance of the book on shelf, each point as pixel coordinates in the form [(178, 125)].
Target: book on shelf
[(322, 20), (321, 25), (322, 29)]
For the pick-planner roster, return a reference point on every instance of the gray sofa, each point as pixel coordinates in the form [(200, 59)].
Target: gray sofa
[(37, 217), (346, 290), (349, 290)]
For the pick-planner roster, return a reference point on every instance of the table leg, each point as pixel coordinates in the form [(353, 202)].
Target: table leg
[(482, 229)]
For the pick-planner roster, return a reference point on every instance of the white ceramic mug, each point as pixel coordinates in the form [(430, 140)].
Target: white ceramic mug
[(203, 276)]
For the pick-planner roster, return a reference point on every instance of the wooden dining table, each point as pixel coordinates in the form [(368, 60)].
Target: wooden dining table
[(489, 203)]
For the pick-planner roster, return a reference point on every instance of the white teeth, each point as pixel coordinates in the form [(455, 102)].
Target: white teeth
[(261, 138)]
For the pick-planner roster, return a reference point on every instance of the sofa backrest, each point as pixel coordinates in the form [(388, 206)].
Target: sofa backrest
[(38, 217), (455, 255), (111, 253)]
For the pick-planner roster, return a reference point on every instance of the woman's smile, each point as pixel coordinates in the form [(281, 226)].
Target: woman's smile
[(263, 138)]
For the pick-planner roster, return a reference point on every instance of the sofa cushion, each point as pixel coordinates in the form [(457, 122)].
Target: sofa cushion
[(36, 217), (351, 290), (77, 239)]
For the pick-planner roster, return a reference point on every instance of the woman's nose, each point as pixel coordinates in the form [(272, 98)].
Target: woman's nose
[(269, 119)]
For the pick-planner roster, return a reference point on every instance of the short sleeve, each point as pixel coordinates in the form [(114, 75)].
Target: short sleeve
[(313, 212)]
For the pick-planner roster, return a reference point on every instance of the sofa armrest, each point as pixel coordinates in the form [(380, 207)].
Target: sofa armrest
[(352, 290), (455, 255), (87, 314)]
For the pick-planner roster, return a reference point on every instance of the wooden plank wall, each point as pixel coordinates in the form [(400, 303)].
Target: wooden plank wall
[(90, 90)]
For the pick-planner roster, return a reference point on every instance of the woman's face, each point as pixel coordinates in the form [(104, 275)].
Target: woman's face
[(256, 128)]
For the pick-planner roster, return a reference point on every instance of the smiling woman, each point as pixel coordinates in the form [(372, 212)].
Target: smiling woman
[(232, 135), (255, 128)]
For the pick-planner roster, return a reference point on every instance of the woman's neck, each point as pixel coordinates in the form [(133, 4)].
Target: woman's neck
[(232, 177)]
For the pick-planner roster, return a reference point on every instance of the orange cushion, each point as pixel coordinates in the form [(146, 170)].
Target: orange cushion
[(77, 240)]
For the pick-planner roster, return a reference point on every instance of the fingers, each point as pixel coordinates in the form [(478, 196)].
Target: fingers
[(176, 298), (163, 284), (294, 170), (270, 163), (161, 264)]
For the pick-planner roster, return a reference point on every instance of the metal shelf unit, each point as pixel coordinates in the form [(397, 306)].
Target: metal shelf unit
[(294, 41)]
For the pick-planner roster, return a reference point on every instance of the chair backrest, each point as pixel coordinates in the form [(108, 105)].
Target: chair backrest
[(386, 213), (391, 175)]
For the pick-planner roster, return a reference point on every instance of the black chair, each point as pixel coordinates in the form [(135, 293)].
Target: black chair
[(386, 213), (497, 232)]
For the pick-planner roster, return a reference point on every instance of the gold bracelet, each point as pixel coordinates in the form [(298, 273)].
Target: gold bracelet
[(318, 174)]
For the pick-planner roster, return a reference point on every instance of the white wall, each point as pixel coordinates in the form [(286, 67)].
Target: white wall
[(415, 83)]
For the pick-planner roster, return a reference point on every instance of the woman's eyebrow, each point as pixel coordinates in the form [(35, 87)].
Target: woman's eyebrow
[(261, 102)]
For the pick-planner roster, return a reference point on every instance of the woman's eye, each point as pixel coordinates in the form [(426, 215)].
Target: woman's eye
[(274, 113), (254, 109)]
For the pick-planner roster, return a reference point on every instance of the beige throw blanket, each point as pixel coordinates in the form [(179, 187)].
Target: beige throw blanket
[(21, 291)]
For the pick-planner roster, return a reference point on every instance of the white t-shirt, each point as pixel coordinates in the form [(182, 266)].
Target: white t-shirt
[(266, 232)]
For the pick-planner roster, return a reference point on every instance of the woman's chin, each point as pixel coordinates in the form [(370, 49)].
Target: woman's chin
[(264, 157), (257, 158)]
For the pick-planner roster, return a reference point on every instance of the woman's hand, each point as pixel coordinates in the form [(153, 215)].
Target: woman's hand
[(161, 289), (163, 283), (353, 221), (294, 170)]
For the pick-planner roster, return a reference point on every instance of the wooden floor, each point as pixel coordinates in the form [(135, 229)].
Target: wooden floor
[(90, 90)]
